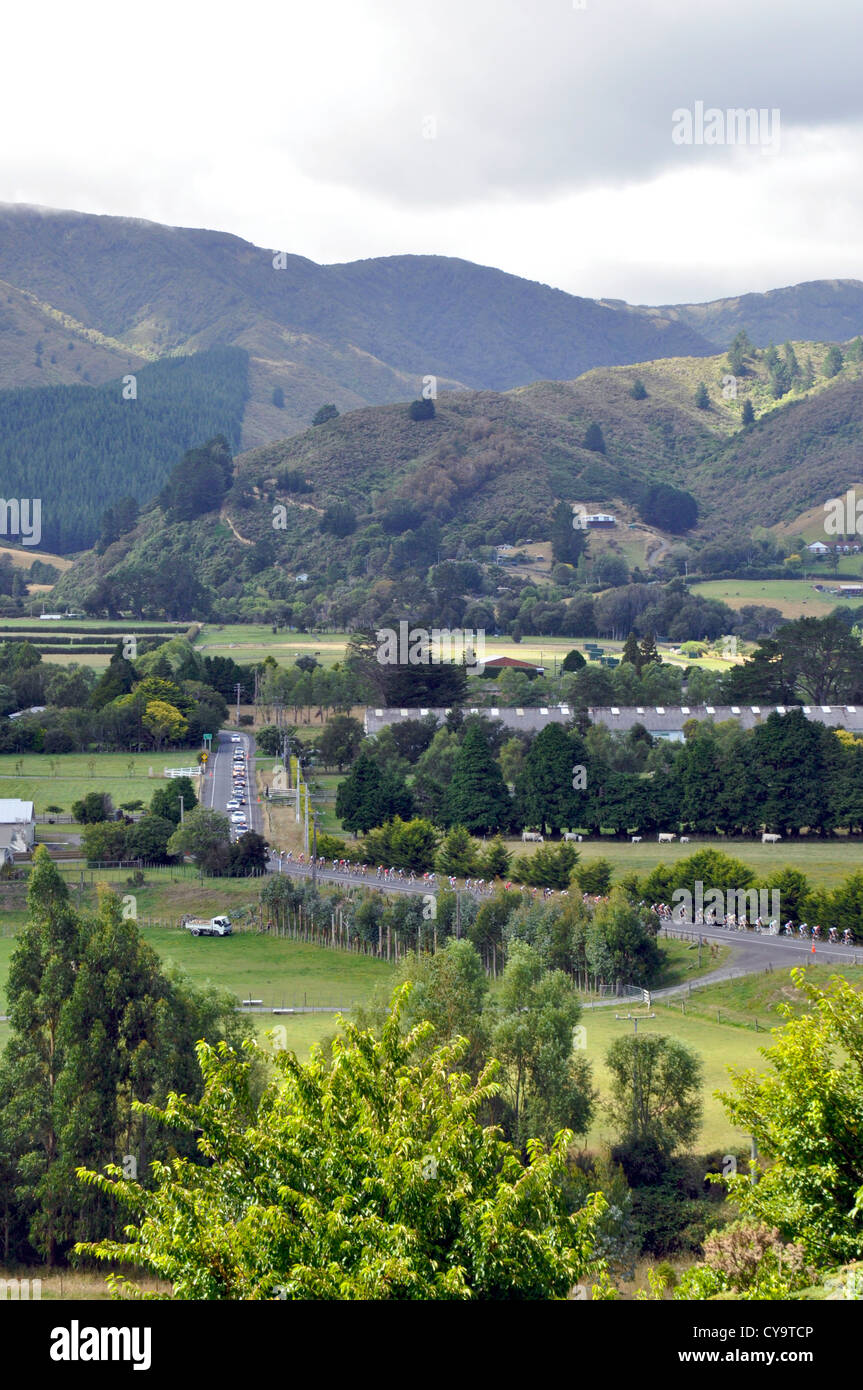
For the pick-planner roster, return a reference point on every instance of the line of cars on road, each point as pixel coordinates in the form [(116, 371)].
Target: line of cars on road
[(239, 792)]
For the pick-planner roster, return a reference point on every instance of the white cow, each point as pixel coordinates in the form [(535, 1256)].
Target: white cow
[(684, 839), (770, 839), (636, 839), (531, 835), (569, 835), (666, 839)]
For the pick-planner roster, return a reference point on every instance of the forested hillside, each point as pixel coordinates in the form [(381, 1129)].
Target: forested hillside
[(346, 522), (81, 448)]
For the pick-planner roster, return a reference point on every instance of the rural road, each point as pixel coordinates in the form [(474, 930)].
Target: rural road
[(219, 778), (752, 952)]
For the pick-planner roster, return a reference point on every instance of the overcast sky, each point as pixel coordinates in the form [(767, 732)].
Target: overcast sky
[(533, 135)]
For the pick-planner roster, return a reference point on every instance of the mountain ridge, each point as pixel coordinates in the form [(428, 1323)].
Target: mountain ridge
[(362, 332)]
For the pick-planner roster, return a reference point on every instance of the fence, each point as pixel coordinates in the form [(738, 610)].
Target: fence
[(723, 1015)]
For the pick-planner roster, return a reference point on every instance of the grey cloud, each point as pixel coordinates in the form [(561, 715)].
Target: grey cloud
[(535, 100)]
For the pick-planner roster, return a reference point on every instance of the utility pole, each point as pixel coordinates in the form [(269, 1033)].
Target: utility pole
[(238, 701), (314, 846), (182, 808)]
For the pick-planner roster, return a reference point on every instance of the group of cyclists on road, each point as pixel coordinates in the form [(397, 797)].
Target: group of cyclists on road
[(731, 921), (480, 887)]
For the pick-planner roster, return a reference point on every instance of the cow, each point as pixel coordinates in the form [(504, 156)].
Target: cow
[(770, 839), (666, 839), (636, 839), (569, 835), (684, 839), (531, 835)]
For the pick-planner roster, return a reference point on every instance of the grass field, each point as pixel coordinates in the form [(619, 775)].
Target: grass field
[(248, 642), (826, 863), (719, 1023), (794, 598), (276, 970), (126, 776), (254, 642), (751, 998), (282, 973), (718, 1045)]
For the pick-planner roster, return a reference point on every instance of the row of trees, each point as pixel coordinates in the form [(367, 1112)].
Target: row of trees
[(136, 704), (160, 836), (788, 774)]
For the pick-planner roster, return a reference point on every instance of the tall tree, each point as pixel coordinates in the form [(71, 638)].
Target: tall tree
[(655, 1092), (41, 979), (550, 791), (477, 796), (545, 1084), (371, 795)]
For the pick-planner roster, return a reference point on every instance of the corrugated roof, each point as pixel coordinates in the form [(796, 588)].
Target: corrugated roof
[(657, 719)]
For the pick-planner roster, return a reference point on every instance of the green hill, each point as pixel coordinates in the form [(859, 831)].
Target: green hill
[(490, 468)]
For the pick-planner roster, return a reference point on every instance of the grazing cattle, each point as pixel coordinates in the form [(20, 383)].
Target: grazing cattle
[(770, 839), (531, 835), (684, 839), (570, 836), (666, 839), (636, 839)]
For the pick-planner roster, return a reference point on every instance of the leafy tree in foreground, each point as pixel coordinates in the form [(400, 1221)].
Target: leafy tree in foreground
[(805, 1116), (362, 1177)]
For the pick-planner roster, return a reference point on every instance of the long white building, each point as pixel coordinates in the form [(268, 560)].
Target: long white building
[(662, 721)]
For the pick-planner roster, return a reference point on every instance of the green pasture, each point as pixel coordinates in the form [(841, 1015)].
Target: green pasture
[(795, 598), (94, 625), (719, 1023), (61, 778), (249, 642), (825, 862), (720, 1046), (750, 998)]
